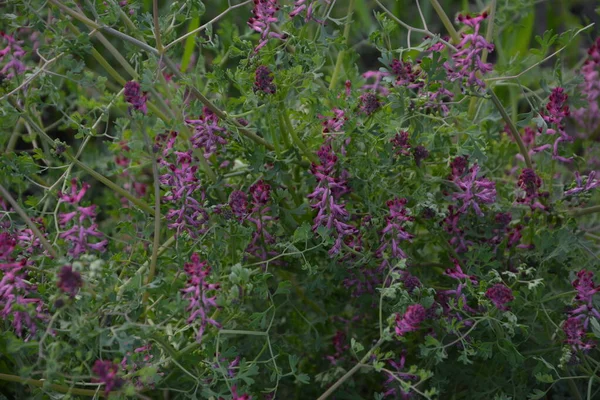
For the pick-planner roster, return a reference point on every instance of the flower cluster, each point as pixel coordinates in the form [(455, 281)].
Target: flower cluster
[(554, 115), (301, 5), (184, 190), (12, 57), (473, 191), (259, 215), (369, 103), (263, 81), (411, 320), (335, 123), (530, 183), (406, 74), (208, 135), (196, 292), (467, 62), (134, 96), (80, 232), (588, 117), (326, 197), (500, 295), (107, 373), (394, 233), (18, 303), (263, 17), (391, 382), (590, 183), (69, 280)]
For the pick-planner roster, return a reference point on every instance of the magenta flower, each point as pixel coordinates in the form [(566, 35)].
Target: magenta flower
[(107, 373), (208, 135), (467, 62), (584, 302), (263, 16), (590, 183), (406, 75), (391, 383), (474, 191), (12, 56), (134, 96), (236, 396), (410, 321), (575, 335), (184, 193), (394, 232), (263, 80), (335, 123), (369, 103), (238, 201), (196, 292), (375, 87), (588, 117), (500, 295), (458, 274), (301, 6), (69, 281), (400, 144), (259, 215), (457, 234), (82, 221), (459, 166), (554, 115), (326, 198), (340, 344), (530, 183)]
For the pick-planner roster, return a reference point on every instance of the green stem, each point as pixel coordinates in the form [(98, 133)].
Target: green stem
[(188, 47), (342, 53), (159, 45), (351, 372), (512, 127), (57, 388), (297, 141), (7, 196), (584, 211), (446, 21)]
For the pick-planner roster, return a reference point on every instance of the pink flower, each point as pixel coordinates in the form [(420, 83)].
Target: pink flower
[(400, 144), (107, 373), (264, 80), (530, 183), (575, 333), (588, 116), (208, 135), (584, 302), (134, 96), (467, 62), (410, 321), (301, 6), (12, 56), (590, 183), (500, 294), (474, 191), (260, 194), (326, 198), (196, 292), (394, 232), (263, 16), (69, 281), (554, 114), (405, 74)]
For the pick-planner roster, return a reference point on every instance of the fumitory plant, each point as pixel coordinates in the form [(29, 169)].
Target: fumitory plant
[(298, 199)]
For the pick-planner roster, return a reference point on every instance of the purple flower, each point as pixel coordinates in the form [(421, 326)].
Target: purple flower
[(590, 183), (238, 201), (185, 195), (420, 153), (260, 194), (457, 273), (467, 62), (554, 114), (263, 16), (376, 86), (575, 335), (394, 232), (326, 198), (530, 183), (69, 281), (459, 165), (584, 302), (134, 96), (196, 292), (400, 144), (236, 396), (369, 103), (588, 117), (12, 56), (457, 239), (340, 344), (474, 191), (336, 123), (406, 75), (410, 321), (107, 373), (264, 80), (208, 135), (83, 223), (500, 294), (391, 382), (300, 6)]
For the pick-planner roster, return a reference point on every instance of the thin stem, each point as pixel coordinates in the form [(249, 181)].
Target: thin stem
[(342, 53), (584, 211), (351, 372), (6, 195), (157, 215), (297, 141), (57, 388), (218, 17), (159, 45), (513, 129), (446, 21)]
